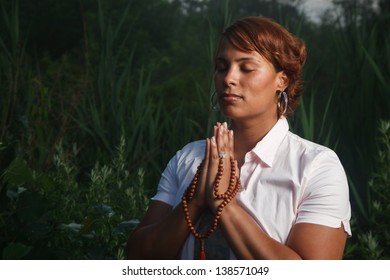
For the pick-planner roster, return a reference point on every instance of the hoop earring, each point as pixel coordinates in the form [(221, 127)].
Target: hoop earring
[(285, 97), (213, 101)]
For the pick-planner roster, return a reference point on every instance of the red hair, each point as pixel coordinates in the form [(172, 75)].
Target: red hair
[(272, 41)]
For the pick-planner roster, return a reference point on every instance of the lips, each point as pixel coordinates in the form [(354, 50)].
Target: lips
[(230, 97)]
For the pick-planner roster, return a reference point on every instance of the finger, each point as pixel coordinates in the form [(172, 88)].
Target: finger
[(227, 142), (216, 127), (215, 130), (203, 175), (206, 158), (225, 125), (221, 140), (231, 143), (224, 152), (213, 161), (213, 151), (207, 150)]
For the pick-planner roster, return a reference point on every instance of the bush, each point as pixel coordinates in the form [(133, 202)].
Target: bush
[(56, 217), (372, 239)]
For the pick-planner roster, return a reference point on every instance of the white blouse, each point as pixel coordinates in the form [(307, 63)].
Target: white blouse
[(285, 180)]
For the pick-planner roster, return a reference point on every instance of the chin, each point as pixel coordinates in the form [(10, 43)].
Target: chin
[(230, 113)]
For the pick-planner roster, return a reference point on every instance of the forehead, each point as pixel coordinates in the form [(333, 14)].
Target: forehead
[(227, 51)]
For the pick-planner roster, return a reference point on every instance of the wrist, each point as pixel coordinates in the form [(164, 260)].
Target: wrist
[(230, 211), (198, 204)]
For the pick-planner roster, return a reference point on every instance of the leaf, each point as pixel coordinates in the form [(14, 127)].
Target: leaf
[(45, 182), (102, 209), (87, 225), (15, 251), (72, 227), (18, 173)]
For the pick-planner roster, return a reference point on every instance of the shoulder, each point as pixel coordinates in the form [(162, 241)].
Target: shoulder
[(195, 148), (313, 160), (188, 156), (191, 151), (318, 165), (179, 172), (309, 149)]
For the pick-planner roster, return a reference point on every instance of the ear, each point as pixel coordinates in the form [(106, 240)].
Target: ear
[(282, 81)]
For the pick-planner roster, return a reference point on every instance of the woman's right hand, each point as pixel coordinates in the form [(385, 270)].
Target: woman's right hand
[(200, 193)]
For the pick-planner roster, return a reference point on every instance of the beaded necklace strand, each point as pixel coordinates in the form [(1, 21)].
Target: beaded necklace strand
[(234, 186)]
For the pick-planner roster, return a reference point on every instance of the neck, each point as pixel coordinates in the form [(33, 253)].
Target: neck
[(247, 135)]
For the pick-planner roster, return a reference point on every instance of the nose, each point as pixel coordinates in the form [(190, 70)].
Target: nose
[(231, 77)]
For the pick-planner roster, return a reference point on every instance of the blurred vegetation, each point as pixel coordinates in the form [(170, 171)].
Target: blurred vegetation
[(96, 96)]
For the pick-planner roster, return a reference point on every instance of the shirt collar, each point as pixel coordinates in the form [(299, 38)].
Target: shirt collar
[(267, 147)]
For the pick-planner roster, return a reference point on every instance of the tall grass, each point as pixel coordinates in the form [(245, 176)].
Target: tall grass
[(31, 111), (122, 100), (307, 123), (363, 97), (12, 57), (372, 235)]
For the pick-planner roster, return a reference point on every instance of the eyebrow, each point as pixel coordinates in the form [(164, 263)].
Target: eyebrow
[(240, 59)]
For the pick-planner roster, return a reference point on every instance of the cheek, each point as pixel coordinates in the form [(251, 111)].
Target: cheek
[(255, 84), (262, 82)]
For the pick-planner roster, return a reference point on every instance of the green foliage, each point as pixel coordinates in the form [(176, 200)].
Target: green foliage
[(307, 124), (372, 239), (55, 216), (357, 75)]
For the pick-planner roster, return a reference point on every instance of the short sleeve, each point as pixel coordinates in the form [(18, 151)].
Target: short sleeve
[(168, 185), (179, 173), (325, 200)]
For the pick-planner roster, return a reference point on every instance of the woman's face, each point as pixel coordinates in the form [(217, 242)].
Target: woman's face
[(246, 84)]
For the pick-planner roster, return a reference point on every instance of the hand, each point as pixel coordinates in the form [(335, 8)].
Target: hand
[(221, 145), (199, 196)]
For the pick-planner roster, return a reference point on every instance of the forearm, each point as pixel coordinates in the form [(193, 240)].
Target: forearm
[(248, 240), (163, 239)]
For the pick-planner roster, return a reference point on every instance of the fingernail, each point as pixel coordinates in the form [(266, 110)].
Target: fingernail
[(225, 124), (213, 140)]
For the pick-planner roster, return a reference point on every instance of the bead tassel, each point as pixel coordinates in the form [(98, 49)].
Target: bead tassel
[(202, 253)]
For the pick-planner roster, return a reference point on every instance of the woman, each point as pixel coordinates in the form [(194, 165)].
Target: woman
[(272, 194)]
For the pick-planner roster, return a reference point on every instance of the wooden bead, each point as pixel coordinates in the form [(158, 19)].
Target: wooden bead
[(232, 190)]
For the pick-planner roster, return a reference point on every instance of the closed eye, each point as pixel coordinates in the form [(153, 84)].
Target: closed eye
[(247, 70), (248, 66)]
